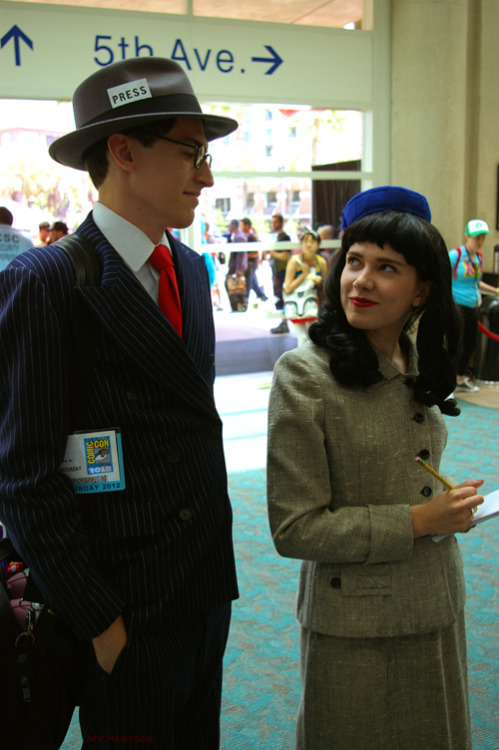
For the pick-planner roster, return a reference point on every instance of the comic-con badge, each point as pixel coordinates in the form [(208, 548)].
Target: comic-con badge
[(94, 461)]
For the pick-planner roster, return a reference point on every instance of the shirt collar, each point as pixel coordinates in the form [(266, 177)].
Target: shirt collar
[(129, 241)]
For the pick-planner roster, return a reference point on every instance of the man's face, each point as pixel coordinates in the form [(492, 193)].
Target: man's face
[(55, 234), (165, 186), (44, 234), (275, 223)]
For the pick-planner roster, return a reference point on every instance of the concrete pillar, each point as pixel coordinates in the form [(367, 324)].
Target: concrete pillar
[(484, 156), (429, 105)]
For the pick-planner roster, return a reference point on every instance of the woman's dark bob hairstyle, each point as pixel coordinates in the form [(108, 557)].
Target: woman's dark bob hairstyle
[(353, 361)]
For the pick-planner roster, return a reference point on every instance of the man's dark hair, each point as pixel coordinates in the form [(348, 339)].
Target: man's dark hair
[(60, 226), (352, 360), (95, 158), (6, 216), (246, 222)]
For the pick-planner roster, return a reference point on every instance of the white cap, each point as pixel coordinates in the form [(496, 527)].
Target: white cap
[(476, 227)]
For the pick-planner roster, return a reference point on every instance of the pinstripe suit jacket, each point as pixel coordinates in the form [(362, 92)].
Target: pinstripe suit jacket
[(161, 549)]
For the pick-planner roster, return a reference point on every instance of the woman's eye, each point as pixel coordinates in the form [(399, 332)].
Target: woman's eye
[(388, 267)]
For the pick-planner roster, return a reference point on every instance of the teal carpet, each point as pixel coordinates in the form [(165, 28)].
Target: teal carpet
[(261, 688)]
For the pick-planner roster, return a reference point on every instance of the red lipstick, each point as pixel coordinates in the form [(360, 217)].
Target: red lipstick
[(362, 302)]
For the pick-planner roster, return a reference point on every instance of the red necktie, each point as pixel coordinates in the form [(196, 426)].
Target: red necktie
[(168, 296)]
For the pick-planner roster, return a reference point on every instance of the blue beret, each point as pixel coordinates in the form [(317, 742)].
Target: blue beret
[(385, 198)]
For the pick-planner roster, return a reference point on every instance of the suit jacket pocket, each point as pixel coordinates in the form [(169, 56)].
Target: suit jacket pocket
[(366, 580)]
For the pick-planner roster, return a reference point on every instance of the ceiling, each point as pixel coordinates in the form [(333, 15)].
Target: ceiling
[(332, 14)]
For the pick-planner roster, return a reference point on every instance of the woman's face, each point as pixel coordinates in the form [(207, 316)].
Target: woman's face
[(309, 245), (379, 289)]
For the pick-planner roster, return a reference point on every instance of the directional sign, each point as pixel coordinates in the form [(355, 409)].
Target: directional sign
[(275, 60), (47, 50), (17, 36)]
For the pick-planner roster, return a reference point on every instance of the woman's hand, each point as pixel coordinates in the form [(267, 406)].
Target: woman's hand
[(315, 278), (449, 512)]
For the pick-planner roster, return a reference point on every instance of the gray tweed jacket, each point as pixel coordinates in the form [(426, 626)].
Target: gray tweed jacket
[(342, 476)]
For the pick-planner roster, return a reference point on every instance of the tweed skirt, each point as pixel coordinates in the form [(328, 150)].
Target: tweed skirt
[(403, 693)]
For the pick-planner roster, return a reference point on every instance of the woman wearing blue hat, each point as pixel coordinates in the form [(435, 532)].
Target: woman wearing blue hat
[(467, 262), (380, 602)]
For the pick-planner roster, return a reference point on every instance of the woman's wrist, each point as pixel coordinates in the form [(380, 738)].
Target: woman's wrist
[(419, 527)]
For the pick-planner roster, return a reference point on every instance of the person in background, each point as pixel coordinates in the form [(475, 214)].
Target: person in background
[(12, 242), (305, 274), (253, 260), (212, 265), (234, 232), (207, 238), (237, 268), (58, 230), (143, 568), (380, 602), (43, 234), (467, 270), (279, 262)]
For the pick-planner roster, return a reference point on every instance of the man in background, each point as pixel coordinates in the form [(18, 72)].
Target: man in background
[(279, 262), (235, 281), (43, 234), (12, 242), (254, 257), (58, 230)]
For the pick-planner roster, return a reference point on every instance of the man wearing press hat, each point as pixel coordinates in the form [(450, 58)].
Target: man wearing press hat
[(143, 566)]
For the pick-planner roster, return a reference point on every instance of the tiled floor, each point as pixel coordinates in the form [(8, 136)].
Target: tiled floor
[(488, 395)]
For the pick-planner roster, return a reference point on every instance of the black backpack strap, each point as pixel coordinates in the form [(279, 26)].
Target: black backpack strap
[(88, 272), (85, 259)]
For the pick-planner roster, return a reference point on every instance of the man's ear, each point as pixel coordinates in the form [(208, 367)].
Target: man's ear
[(121, 149)]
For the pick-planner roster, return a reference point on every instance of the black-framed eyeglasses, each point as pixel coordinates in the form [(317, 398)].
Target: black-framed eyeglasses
[(200, 152)]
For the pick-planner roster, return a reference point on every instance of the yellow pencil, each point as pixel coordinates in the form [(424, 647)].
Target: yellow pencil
[(435, 473)]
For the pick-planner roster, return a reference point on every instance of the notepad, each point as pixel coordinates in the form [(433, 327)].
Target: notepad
[(488, 509)]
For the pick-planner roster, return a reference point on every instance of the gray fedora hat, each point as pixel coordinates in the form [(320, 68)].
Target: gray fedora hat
[(128, 94)]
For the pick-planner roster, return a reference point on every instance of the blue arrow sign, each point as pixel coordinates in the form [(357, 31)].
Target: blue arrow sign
[(17, 35), (275, 60)]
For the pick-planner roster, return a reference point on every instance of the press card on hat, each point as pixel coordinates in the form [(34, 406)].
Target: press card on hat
[(129, 92)]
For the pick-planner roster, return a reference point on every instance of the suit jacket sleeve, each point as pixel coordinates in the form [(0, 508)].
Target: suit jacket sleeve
[(37, 503)]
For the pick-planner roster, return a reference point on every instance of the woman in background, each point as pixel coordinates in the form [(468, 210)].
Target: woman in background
[(380, 602), (305, 273), (466, 262)]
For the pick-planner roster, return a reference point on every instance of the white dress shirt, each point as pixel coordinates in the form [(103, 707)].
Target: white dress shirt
[(131, 244)]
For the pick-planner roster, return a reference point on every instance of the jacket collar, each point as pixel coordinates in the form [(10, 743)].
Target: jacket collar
[(389, 371), (137, 325)]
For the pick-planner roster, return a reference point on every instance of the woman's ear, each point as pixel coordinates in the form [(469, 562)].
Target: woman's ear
[(422, 293)]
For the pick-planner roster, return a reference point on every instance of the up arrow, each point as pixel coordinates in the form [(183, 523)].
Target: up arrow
[(275, 60), (17, 35)]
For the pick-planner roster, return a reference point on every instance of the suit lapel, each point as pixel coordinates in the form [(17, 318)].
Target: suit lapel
[(137, 325)]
